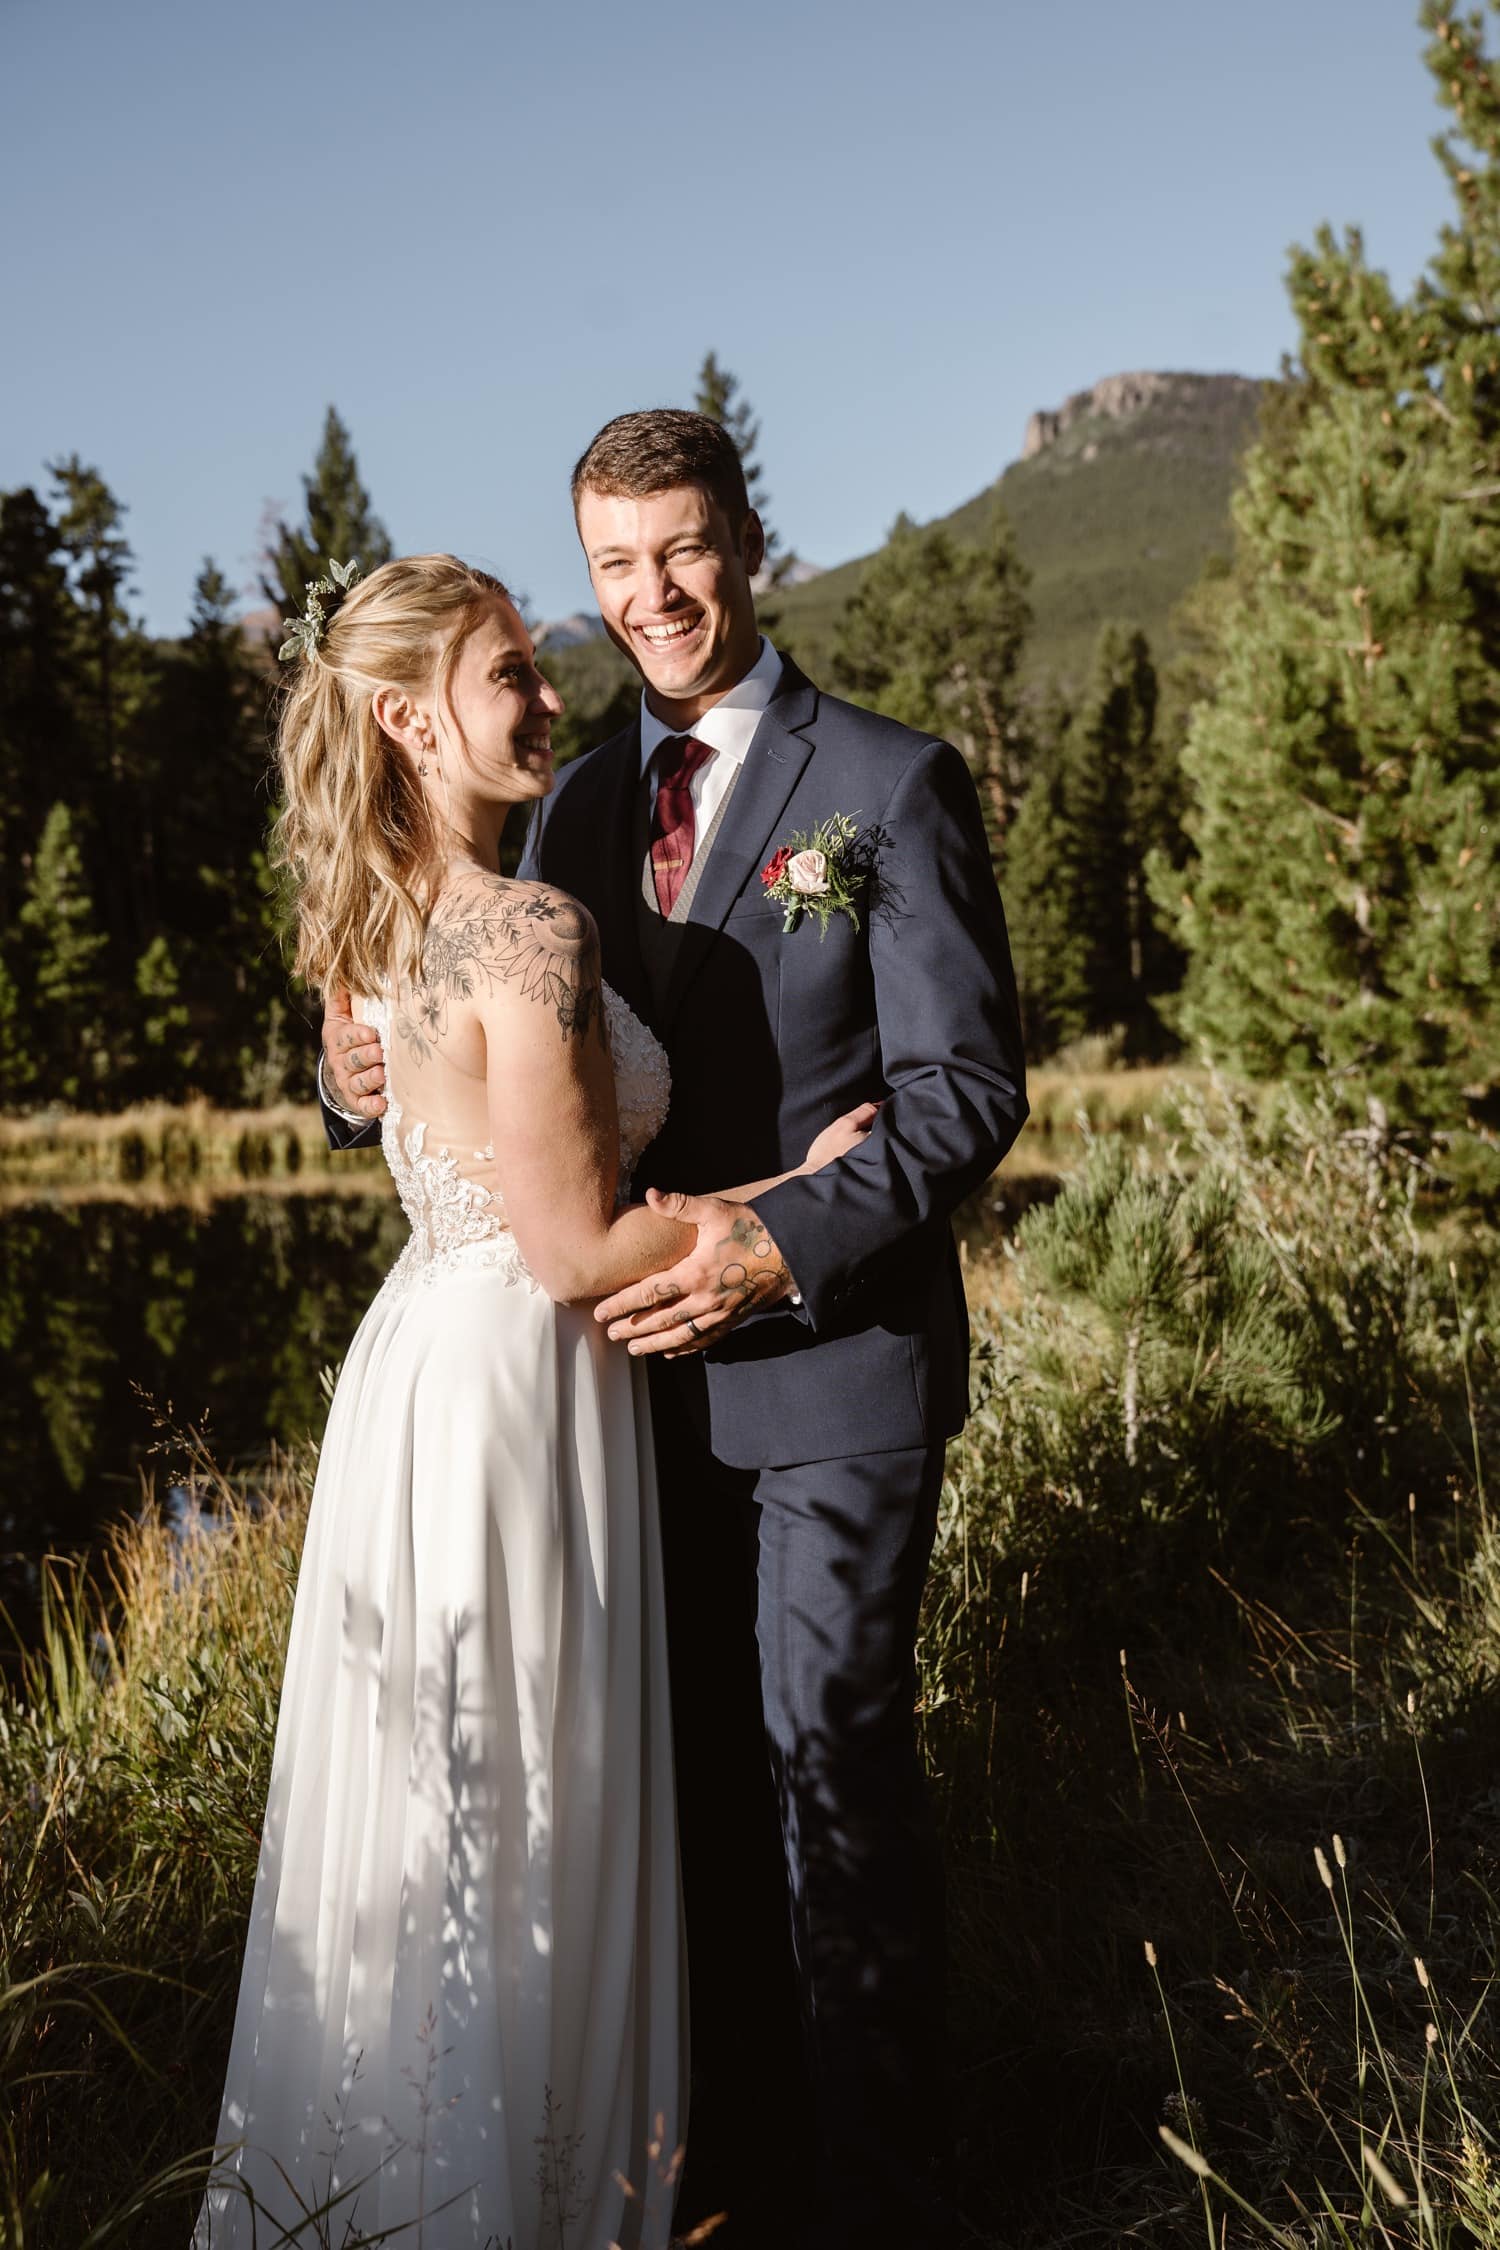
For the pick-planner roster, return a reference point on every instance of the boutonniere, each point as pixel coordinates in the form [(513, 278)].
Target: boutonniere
[(821, 874)]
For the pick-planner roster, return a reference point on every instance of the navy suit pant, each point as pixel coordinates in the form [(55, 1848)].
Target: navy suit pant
[(810, 1868)]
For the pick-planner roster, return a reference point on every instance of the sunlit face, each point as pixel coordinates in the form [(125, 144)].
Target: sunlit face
[(672, 580), (501, 743)]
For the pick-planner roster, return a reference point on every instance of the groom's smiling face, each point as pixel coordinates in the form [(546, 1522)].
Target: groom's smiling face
[(672, 580)]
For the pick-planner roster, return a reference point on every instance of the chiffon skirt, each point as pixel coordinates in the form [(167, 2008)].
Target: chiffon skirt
[(462, 2003)]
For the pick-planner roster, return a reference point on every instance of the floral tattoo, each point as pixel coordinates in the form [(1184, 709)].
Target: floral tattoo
[(510, 933)]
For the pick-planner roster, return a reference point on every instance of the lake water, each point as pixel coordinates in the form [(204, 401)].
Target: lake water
[(121, 1319), (116, 1317)]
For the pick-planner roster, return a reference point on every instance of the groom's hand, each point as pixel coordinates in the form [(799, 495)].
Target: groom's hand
[(734, 1268), (354, 1057)]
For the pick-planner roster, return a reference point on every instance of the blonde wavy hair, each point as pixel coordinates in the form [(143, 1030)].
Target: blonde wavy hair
[(356, 840)]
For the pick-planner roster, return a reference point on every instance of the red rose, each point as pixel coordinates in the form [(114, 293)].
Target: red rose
[(775, 868)]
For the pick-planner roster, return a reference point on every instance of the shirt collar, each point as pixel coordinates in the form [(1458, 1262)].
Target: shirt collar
[(730, 724)]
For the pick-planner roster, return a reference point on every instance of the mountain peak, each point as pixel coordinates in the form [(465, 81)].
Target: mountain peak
[(1121, 497), (1123, 398)]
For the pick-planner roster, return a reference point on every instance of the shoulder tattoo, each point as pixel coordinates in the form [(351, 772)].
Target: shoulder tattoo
[(505, 933)]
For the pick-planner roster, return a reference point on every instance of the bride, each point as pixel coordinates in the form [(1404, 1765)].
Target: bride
[(460, 2017)]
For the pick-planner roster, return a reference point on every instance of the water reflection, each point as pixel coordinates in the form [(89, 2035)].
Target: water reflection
[(212, 1312), (220, 1312)]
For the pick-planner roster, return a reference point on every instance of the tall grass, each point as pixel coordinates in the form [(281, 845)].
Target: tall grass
[(134, 1758), (1216, 1585), (1217, 1581)]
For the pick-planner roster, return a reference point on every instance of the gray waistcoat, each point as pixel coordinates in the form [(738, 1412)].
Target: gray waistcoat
[(661, 938)]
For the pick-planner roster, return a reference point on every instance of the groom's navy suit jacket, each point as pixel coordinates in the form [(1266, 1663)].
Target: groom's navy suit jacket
[(771, 1034)]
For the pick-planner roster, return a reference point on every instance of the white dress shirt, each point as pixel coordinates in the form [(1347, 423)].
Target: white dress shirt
[(729, 728)]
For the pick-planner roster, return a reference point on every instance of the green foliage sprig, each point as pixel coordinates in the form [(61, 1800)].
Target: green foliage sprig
[(304, 633)]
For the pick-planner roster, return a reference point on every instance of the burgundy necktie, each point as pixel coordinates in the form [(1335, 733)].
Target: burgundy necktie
[(672, 827)]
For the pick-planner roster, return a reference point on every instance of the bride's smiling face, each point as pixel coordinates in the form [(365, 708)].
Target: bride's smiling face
[(494, 724)]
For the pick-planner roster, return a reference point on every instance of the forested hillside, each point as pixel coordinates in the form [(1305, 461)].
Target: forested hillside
[(1117, 502)]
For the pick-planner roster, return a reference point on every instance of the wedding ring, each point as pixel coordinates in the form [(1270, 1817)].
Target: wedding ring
[(693, 1325)]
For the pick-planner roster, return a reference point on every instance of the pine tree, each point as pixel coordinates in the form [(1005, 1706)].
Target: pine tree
[(340, 524), (1089, 953), (111, 674), (89, 531), (211, 614), (164, 1019), (933, 637), (214, 714), (37, 744), (1340, 908), (1114, 797), (215, 759), (719, 397), (17, 1058), (66, 948), (1043, 881)]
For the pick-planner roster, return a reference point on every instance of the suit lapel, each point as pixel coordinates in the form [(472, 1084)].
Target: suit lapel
[(773, 767)]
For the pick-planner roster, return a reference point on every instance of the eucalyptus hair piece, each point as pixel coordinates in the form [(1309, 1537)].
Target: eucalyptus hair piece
[(324, 595)]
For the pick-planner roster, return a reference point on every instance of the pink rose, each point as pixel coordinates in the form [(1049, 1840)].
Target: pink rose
[(807, 872)]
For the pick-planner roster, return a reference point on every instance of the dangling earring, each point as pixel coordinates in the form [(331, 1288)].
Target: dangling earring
[(422, 762)]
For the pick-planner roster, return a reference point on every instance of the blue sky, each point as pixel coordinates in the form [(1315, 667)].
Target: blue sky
[(481, 229)]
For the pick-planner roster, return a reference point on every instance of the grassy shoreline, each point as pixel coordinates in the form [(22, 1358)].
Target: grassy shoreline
[(177, 1144), (193, 1145)]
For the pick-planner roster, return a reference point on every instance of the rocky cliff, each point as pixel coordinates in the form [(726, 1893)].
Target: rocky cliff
[(1162, 399), (1119, 498)]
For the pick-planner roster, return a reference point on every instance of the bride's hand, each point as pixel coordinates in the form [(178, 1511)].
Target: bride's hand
[(844, 1133)]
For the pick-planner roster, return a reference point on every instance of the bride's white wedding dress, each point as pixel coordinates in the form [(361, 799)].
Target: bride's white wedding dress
[(461, 2007)]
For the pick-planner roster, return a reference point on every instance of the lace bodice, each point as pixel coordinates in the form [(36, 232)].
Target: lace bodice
[(457, 1218)]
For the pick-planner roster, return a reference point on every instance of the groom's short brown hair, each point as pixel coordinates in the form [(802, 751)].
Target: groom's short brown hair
[(661, 446)]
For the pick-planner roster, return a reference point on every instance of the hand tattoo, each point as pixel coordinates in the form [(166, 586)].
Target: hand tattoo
[(506, 933), (753, 1267)]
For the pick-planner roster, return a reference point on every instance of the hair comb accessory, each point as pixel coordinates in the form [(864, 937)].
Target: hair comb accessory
[(324, 595)]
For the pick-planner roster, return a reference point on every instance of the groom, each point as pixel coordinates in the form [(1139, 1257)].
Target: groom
[(809, 1357)]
